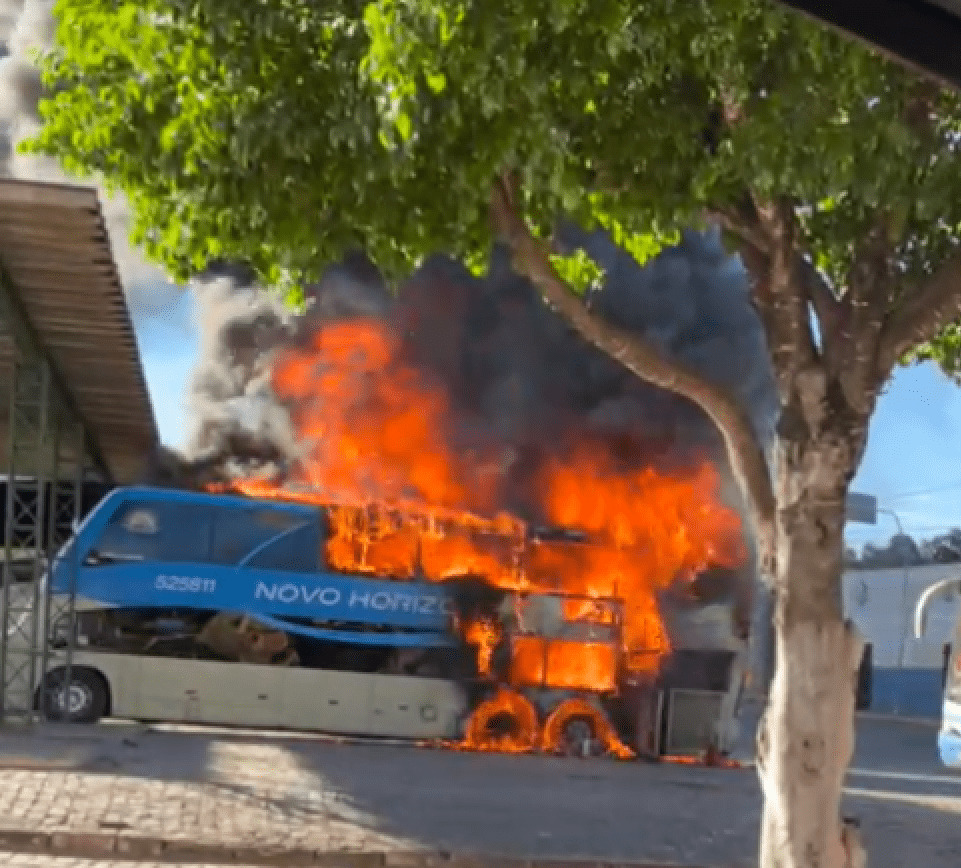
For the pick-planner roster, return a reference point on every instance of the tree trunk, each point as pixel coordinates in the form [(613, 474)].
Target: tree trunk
[(806, 736)]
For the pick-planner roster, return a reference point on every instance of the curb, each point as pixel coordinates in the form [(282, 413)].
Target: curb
[(80, 845), (886, 716)]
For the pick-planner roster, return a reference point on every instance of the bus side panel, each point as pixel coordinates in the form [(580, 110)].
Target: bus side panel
[(409, 706), (205, 691), (326, 700), (352, 703)]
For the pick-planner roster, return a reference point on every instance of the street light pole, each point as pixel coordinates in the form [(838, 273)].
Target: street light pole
[(893, 515)]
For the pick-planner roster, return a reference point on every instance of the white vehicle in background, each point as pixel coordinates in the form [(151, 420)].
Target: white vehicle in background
[(949, 735)]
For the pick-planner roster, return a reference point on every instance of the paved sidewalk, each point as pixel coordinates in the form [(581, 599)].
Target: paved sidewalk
[(36, 860), (256, 796), (133, 792)]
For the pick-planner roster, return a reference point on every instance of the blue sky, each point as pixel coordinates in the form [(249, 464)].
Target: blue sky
[(913, 460), (168, 347)]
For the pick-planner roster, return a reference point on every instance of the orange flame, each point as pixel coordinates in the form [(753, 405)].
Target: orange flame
[(485, 635), (404, 502), (598, 725), (506, 722), (563, 663)]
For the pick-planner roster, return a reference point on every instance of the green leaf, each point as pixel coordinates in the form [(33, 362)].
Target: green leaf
[(578, 270), (402, 122)]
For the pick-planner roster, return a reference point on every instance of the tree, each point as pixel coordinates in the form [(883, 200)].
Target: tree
[(284, 133)]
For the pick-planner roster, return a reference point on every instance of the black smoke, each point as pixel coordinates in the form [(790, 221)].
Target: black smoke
[(523, 386)]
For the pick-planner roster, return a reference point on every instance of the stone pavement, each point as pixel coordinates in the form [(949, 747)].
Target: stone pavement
[(33, 860), (133, 792), (39, 860), (256, 797)]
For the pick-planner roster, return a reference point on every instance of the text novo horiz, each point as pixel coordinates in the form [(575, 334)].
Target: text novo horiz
[(394, 601), (288, 592)]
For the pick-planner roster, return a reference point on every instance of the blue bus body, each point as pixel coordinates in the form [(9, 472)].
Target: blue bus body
[(149, 565), (148, 548)]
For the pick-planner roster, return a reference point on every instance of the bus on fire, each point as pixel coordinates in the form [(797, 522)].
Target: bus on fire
[(212, 608)]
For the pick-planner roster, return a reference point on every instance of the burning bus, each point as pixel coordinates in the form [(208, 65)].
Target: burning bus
[(434, 512), (214, 608)]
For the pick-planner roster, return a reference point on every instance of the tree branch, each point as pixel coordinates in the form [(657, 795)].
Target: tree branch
[(832, 314), (827, 306), (731, 221), (787, 322), (769, 228), (867, 297), (642, 358), (930, 309)]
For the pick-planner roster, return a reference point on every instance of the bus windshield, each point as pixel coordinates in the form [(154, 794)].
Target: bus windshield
[(176, 532)]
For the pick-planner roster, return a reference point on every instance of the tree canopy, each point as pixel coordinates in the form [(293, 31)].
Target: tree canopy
[(284, 133)]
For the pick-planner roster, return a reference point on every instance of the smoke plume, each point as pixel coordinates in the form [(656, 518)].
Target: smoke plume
[(508, 388), (230, 405), (518, 380)]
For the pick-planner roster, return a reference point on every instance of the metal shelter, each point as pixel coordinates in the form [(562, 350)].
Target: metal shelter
[(73, 403)]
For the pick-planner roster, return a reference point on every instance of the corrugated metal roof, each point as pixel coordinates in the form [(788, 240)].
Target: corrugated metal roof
[(57, 261)]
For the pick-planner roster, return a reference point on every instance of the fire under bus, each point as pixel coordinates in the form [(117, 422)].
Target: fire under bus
[(203, 607)]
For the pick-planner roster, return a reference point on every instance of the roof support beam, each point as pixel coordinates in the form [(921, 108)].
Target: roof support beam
[(922, 34), (30, 349)]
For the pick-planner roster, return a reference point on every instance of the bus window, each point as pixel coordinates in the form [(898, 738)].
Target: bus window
[(155, 531), (185, 532), (296, 550), (273, 537)]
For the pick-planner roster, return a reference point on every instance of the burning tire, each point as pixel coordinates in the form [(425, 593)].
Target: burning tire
[(506, 722), (577, 728)]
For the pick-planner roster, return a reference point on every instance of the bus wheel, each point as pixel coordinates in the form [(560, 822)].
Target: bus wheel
[(578, 728), (505, 722), (579, 738), (83, 700)]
